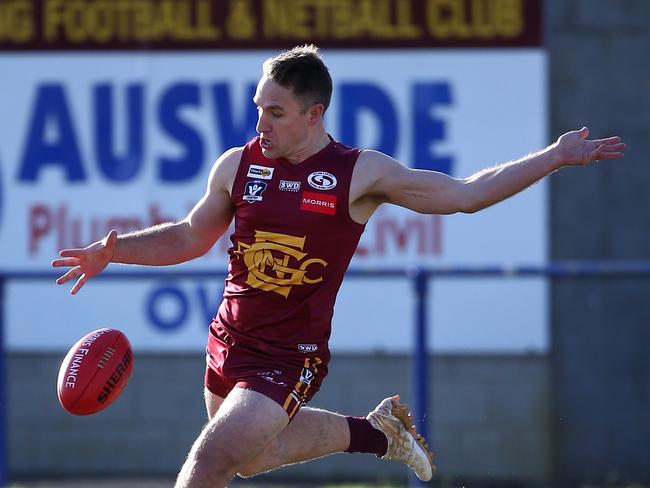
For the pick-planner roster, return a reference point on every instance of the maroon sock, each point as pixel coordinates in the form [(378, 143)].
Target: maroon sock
[(365, 438)]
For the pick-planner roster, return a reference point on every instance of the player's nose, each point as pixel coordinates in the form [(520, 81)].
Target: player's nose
[(262, 124)]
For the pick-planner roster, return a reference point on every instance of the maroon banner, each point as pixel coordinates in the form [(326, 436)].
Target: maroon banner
[(27, 25)]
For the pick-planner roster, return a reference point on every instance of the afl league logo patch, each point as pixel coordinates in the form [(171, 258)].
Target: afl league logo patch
[(253, 191), (306, 376), (322, 180)]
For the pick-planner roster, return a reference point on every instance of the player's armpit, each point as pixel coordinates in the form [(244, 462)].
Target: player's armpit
[(212, 214)]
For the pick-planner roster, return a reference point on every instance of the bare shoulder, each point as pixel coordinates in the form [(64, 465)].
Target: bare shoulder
[(369, 178), (224, 170), (375, 160)]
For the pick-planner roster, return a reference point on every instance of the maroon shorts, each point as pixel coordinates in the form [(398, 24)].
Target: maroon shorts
[(290, 382)]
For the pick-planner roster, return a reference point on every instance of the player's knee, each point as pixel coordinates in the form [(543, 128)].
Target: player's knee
[(206, 474), (209, 465)]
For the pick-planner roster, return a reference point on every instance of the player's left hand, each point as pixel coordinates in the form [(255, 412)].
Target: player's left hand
[(574, 149)]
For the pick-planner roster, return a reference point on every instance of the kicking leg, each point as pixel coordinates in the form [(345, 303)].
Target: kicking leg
[(387, 432), (295, 443)]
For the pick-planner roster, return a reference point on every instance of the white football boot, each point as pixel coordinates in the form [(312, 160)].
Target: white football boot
[(404, 443)]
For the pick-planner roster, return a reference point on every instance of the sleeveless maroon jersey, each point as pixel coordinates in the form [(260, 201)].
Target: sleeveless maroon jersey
[(293, 241)]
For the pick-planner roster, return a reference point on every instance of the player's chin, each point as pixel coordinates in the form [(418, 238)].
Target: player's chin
[(270, 152)]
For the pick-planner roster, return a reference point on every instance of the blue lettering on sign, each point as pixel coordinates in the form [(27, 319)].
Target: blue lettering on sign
[(233, 134), (51, 137), (207, 305), (127, 166), (358, 97), (171, 294), (174, 99), (427, 129)]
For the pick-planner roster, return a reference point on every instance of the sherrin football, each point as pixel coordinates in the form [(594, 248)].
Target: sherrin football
[(95, 371)]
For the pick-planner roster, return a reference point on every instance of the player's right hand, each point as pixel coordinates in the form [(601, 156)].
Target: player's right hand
[(86, 262)]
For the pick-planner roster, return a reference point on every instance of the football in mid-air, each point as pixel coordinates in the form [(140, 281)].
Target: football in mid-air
[(95, 371)]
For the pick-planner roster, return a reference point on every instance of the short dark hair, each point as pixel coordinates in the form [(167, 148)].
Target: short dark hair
[(302, 70)]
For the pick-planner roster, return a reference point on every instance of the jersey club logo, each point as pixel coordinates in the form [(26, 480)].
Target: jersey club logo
[(276, 262), (321, 180)]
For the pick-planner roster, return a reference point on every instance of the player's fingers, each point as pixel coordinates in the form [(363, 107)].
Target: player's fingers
[(612, 147), (607, 152), (70, 253), (80, 282), (608, 140), (72, 273), (57, 263)]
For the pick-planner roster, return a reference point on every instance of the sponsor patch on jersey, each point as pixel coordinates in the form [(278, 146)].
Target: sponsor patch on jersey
[(261, 172), (253, 191), (286, 185), (321, 180), (305, 348), (318, 202)]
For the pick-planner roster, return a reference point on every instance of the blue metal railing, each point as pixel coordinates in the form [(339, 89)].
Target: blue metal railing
[(420, 277)]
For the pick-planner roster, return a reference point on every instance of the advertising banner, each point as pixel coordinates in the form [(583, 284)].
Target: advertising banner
[(95, 25), (94, 141)]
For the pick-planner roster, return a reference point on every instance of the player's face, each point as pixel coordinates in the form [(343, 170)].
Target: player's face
[(282, 125)]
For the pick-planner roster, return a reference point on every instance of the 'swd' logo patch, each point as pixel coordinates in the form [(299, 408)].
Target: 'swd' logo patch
[(286, 185)]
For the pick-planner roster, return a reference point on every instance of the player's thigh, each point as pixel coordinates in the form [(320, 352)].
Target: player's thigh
[(212, 402), (245, 423)]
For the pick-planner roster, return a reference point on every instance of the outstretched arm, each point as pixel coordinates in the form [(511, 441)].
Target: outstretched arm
[(164, 244), (386, 180)]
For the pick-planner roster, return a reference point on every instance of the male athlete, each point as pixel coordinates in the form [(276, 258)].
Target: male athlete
[(300, 201)]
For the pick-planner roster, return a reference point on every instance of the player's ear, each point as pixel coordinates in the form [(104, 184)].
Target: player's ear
[(315, 113)]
